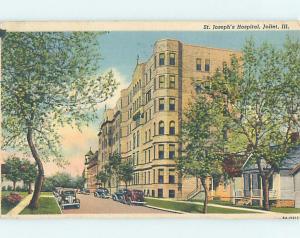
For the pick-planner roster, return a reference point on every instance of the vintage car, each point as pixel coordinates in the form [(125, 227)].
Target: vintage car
[(133, 197), (68, 198), (102, 193), (117, 196)]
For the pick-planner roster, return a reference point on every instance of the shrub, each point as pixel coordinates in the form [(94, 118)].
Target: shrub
[(3, 188), (12, 199)]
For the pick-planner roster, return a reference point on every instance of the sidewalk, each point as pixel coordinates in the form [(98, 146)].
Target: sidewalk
[(19, 208), (222, 206)]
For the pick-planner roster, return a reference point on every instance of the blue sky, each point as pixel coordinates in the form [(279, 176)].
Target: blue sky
[(120, 49)]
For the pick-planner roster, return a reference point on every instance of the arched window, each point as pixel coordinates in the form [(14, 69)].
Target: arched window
[(154, 128), (172, 128), (161, 128)]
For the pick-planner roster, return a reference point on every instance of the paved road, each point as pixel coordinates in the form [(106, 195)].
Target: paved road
[(92, 205)]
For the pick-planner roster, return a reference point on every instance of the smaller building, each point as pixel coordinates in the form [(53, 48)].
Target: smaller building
[(284, 185), (91, 170)]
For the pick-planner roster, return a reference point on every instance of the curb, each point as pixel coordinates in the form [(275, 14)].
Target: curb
[(166, 210)]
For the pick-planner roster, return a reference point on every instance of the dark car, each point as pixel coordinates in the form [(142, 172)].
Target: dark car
[(102, 193), (119, 196), (134, 197), (68, 198)]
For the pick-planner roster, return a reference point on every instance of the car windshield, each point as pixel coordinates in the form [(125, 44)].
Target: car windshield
[(69, 193)]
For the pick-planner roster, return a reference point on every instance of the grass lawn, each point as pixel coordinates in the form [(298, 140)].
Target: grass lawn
[(48, 205), (189, 207), (285, 209), (5, 207)]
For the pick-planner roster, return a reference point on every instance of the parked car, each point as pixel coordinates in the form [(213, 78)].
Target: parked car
[(102, 193), (117, 196), (85, 191), (134, 197), (68, 198)]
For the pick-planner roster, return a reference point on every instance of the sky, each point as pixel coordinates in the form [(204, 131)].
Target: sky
[(119, 53)]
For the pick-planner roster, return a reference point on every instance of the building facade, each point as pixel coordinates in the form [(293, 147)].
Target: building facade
[(145, 124)]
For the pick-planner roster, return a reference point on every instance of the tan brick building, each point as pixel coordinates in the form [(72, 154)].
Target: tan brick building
[(145, 124)]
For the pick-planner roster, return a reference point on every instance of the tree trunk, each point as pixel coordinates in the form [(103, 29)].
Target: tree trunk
[(125, 184), (14, 185), (29, 188), (40, 177), (265, 185), (203, 182)]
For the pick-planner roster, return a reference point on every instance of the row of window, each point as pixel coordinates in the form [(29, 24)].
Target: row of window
[(145, 177), (171, 153), (199, 65)]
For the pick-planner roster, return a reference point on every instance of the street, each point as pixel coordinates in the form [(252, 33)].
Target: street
[(93, 205)]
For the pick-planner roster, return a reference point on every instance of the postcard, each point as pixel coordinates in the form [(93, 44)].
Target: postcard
[(184, 119)]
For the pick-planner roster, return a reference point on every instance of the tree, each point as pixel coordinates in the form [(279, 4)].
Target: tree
[(50, 79), (28, 173), (12, 170), (126, 173), (79, 182), (202, 137), (113, 167), (262, 105), (103, 177)]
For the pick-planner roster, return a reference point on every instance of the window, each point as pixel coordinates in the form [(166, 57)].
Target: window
[(161, 152), (146, 139), (137, 139), (160, 193), (161, 81), (153, 176), (149, 155), (148, 96), (161, 58), (198, 64), (172, 176), (155, 61), (171, 193), (145, 155), (161, 104), (171, 151), (133, 140), (153, 193), (161, 176), (172, 59), (171, 81), (172, 104), (207, 65), (149, 134), (154, 128), (161, 128), (148, 179), (172, 128)]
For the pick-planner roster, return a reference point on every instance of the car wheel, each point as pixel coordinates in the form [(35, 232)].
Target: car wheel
[(78, 206)]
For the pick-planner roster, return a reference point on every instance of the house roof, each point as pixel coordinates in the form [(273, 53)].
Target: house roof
[(293, 159), (291, 162)]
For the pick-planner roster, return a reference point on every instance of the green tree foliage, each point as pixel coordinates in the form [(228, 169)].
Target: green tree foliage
[(50, 79), (202, 137), (28, 173), (126, 172), (64, 180), (103, 177), (12, 170), (262, 104)]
